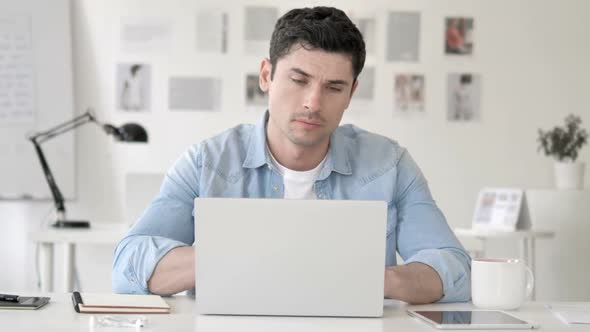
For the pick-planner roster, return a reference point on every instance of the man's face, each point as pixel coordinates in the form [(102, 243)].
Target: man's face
[(308, 95)]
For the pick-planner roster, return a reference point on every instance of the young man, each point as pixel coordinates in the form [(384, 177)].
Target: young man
[(298, 151)]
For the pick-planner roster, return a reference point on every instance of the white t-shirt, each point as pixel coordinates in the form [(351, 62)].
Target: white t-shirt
[(298, 185)]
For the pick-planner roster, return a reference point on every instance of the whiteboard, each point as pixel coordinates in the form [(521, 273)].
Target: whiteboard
[(36, 94)]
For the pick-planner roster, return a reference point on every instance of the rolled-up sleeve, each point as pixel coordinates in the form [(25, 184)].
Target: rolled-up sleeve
[(167, 223), (423, 234), (453, 267), (136, 258)]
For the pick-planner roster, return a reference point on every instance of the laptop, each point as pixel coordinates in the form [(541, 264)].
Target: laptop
[(290, 257)]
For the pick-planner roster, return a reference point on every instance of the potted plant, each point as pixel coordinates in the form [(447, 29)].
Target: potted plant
[(563, 143)]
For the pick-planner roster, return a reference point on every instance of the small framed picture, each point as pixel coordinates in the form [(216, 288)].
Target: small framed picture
[(408, 93), (459, 35), (463, 97), (256, 99), (133, 87)]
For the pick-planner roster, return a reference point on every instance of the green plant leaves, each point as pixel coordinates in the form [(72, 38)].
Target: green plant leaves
[(564, 143)]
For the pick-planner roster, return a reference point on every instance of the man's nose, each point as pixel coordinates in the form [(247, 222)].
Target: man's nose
[(313, 99)]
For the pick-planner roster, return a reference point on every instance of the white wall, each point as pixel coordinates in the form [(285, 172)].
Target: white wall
[(561, 260), (531, 54)]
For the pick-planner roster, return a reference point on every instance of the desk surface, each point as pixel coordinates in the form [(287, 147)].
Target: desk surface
[(97, 233), (59, 315), (518, 234)]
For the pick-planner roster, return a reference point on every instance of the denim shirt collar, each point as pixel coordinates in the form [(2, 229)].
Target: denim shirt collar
[(338, 159)]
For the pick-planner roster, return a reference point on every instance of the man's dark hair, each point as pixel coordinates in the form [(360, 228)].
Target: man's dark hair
[(324, 28)]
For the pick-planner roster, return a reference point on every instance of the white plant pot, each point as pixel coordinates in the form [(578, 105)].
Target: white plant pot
[(569, 175)]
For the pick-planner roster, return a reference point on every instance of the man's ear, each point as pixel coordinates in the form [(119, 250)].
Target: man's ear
[(264, 77), (354, 86), (352, 91)]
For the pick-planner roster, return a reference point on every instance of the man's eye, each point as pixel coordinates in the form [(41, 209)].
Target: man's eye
[(298, 81), (335, 89)]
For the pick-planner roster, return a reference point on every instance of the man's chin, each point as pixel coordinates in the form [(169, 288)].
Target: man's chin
[(306, 141)]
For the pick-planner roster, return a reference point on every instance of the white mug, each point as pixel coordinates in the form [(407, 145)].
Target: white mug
[(500, 283)]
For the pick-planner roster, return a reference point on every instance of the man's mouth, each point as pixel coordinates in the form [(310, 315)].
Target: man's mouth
[(309, 123)]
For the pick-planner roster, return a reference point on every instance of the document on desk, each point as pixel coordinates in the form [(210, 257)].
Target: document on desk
[(571, 314)]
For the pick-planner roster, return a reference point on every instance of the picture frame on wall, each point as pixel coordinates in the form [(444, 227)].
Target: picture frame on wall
[(408, 93), (403, 37), (133, 87), (259, 22), (459, 36), (464, 92), (256, 99)]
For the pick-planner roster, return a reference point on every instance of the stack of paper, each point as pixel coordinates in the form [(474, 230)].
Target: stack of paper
[(571, 314)]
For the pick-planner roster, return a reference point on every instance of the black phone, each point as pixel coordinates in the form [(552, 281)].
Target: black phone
[(25, 302)]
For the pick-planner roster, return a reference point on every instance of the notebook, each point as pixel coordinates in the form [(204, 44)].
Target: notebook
[(119, 303), (25, 302)]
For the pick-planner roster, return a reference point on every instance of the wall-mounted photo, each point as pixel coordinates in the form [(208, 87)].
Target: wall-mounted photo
[(194, 94), (259, 23), (366, 86), (409, 93), (459, 35), (403, 36), (367, 26), (133, 93), (255, 98), (145, 34), (463, 97), (212, 29)]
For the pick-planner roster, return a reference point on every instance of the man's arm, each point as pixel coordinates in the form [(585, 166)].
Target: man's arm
[(433, 256), (415, 283), (174, 273), (166, 226)]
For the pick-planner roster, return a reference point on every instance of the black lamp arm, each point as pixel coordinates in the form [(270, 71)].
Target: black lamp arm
[(38, 138), (58, 198), (43, 136)]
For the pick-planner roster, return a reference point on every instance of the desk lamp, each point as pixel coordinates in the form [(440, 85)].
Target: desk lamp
[(130, 132)]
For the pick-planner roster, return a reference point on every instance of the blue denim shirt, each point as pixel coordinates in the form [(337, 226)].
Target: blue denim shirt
[(359, 166)]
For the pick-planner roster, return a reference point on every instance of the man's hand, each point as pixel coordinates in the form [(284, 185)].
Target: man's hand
[(415, 283), (174, 273)]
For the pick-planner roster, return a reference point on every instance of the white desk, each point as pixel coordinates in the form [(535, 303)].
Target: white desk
[(59, 315), (98, 233), (525, 237)]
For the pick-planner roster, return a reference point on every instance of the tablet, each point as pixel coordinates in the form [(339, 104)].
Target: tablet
[(470, 319)]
